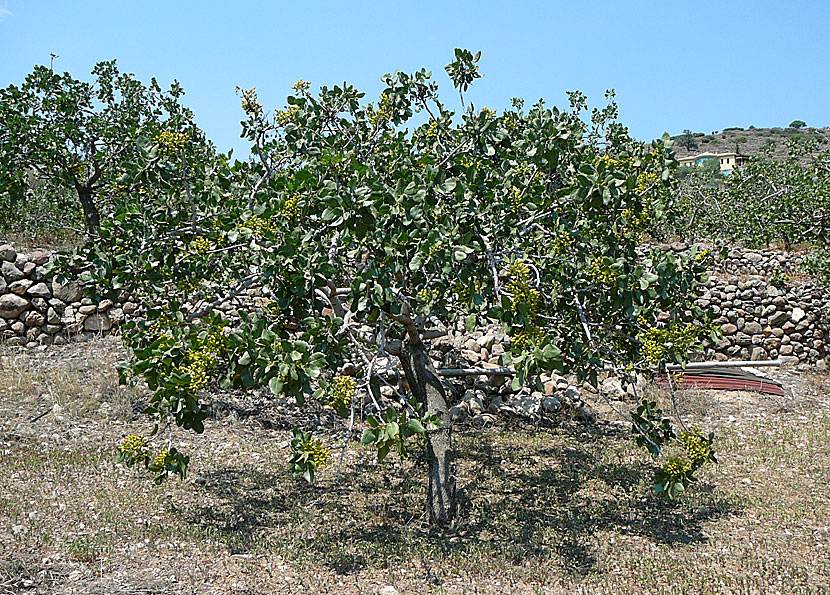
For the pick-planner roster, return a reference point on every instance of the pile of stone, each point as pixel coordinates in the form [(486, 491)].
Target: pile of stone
[(36, 310), (484, 396)]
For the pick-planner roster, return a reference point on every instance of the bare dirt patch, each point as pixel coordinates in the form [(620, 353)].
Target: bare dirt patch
[(546, 510)]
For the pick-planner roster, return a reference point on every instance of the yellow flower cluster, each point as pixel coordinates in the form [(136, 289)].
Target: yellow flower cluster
[(515, 200), (653, 348), (703, 256), (432, 129), (384, 111), (202, 360), (465, 292), (677, 467), (519, 271), (645, 181), (135, 447), (561, 244), (250, 104), (526, 337), (260, 226), (301, 86), (519, 286), (435, 248), (160, 459), (289, 114), (696, 447), (487, 112), (318, 454), (291, 208), (117, 188), (170, 143), (341, 391), (657, 342), (428, 296), (601, 273), (202, 245), (636, 220), (162, 323)]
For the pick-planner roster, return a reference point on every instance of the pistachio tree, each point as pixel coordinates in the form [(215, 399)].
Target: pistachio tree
[(359, 230), (764, 201), (61, 134)]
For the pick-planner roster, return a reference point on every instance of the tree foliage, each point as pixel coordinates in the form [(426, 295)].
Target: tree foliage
[(59, 134), (688, 140), (357, 230), (765, 201)]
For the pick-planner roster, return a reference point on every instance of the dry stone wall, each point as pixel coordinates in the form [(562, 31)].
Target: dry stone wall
[(35, 310), (760, 319), (766, 306)]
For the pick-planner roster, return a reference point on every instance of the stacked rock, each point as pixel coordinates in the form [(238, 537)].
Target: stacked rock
[(762, 321), (35, 310), (766, 263)]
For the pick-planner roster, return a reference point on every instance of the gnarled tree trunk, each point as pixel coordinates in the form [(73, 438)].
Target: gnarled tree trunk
[(91, 217), (427, 388)]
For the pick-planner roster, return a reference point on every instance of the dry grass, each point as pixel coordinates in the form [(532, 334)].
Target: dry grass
[(566, 510)]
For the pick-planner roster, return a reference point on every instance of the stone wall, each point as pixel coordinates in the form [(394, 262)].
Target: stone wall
[(760, 319), (767, 307), (35, 310)]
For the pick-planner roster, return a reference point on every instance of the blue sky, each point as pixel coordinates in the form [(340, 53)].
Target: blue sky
[(678, 64)]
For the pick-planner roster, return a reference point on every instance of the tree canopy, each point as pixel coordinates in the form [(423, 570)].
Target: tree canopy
[(70, 135), (359, 230)]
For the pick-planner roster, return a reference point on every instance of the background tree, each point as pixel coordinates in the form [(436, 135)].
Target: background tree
[(348, 238), (798, 124), (765, 201), (61, 134), (687, 140)]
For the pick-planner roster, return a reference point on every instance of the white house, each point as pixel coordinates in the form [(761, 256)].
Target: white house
[(727, 161)]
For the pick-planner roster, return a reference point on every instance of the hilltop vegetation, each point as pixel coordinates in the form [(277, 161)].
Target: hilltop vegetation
[(751, 140)]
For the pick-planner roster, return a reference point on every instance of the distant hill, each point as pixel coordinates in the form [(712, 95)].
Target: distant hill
[(750, 141)]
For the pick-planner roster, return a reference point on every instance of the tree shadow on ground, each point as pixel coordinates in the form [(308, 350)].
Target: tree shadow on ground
[(518, 501)]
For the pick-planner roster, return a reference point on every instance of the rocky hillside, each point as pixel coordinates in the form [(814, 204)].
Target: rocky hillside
[(749, 141)]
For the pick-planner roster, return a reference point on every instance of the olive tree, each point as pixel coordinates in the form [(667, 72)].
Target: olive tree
[(62, 134), (360, 230)]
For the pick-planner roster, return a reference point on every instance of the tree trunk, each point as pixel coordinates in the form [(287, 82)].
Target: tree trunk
[(91, 217), (427, 388)]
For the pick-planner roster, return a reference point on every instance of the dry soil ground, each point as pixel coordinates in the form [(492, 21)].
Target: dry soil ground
[(560, 509)]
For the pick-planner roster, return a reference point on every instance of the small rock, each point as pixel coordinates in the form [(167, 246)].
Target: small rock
[(495, 404), (11, 272), (8, 253), (584, 414), (458, 413), (40, 290), (482, 419), (68, 293), (12, 305), (97, 323), (551, 404)]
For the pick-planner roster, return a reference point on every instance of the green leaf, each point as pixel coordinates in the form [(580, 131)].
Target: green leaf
[(470, 323), (415, 426), (370, 436), (392, 429), (417, 262), (276, 385)]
